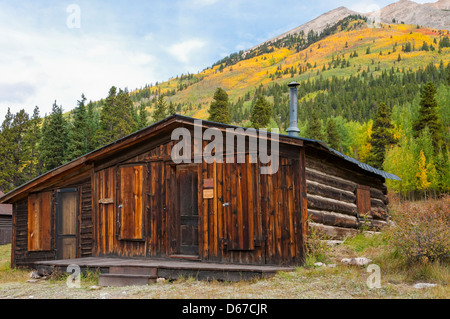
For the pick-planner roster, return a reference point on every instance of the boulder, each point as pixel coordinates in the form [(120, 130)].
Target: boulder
[(359, 261)]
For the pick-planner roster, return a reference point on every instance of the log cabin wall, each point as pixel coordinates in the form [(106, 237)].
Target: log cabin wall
[(243, 216), (341, 199), (22, 255)]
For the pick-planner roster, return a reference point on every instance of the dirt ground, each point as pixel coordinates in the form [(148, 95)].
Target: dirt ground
[(337, 281)]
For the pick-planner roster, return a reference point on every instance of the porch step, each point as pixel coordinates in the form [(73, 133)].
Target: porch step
[(120, 276), (133, 270), (121, 280), (186, 257)]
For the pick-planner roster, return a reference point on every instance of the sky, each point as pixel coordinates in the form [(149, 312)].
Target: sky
[(56, 50)]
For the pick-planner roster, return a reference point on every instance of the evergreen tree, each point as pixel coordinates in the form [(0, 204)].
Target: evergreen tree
[(160, 111), (218, 110), (6, 153), (332, 135), (314, 128), (31, 142), (116, 117), (260, 114), (143, 117), (19, 128), (382, 136), (171, 109), (428, 116), (53, 144), (92, 126), (77, 144)]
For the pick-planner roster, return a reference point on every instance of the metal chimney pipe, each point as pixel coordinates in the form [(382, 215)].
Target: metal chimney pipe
[(293, 129)]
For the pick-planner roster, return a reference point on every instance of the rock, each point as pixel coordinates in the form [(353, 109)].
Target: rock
[(424, 285), (360, 261), (319, 264), (161, 280), (95, 287), (33, 281), (331, 266), (334, 242), (35, 275)]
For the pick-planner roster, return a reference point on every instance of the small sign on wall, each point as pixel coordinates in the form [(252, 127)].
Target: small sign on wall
[(208, 188), (208, 193)]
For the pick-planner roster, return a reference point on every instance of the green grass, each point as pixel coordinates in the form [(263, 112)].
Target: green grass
[(361, 242), (397, 279), (8, 274)]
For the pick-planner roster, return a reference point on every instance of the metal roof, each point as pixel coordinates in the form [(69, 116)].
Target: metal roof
[(363, 166)]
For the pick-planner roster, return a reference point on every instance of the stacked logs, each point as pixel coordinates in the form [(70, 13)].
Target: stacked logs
[(332, 199)]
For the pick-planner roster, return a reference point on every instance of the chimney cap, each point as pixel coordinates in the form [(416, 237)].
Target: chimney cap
[(293, 84)]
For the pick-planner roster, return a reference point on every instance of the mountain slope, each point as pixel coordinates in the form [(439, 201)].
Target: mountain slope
[(410, 12), (318, 25), (441, 5), (323, 59), (431, 15)]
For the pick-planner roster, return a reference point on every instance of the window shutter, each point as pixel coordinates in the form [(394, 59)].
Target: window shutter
[(131, 202), (39, 221), (363, 200)]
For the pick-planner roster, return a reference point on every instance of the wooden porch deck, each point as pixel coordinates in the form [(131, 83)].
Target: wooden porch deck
[(164, 268)]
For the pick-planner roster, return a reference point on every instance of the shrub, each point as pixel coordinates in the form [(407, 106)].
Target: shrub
[(421, 231), (317, 249)]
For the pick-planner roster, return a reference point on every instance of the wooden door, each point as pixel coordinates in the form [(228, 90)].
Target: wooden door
[(187, 193), (131, 202), (66, 223)]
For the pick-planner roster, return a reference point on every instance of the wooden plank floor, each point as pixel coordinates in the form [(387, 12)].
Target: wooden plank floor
[(172, 269)]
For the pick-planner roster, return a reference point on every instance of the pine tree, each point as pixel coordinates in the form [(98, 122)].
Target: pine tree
[(54, 140), (314, 128), (19, 128), (92, 126), (31, 141), (77, 144), (382, 136), (428, 116), (160, 111), (332, 135), (218, 110), (143, 117), (448, 74), (171, 109), (6, 153), (261, 113), (116, 118)]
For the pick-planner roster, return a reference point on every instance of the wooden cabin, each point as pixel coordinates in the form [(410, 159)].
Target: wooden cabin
[(130, 199), (5, 223)]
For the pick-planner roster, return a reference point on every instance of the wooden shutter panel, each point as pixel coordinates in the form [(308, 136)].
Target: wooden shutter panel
[(240, 212), (131, 202), (39, 221), (363, 200)]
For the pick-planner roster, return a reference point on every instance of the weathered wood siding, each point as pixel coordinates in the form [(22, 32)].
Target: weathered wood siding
[(340, 198), (22, 254), (251, 219), (5, 229), (86, 224)]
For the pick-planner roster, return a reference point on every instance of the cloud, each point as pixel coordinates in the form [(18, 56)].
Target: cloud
[(205, 2), (185, 51), (16, 92), (39, 65)]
